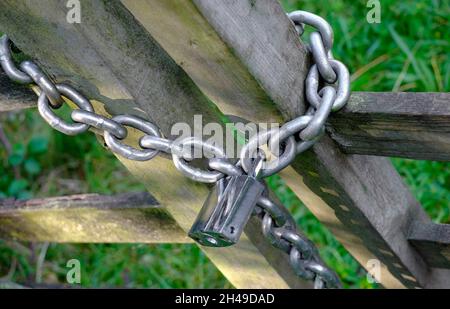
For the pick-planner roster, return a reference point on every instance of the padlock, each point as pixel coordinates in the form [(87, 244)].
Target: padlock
[(227, 209)]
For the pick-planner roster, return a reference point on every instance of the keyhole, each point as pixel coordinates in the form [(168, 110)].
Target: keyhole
[(232, 229)]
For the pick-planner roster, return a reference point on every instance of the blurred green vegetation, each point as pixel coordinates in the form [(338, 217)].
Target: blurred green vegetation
[(407, 51)]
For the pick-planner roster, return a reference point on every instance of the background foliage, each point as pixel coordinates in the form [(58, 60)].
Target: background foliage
[(408, 51)]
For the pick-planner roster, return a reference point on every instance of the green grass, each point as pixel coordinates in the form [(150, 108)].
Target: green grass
[(408, 51)]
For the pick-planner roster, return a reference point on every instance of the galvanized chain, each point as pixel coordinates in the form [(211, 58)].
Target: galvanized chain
[(285, 144), (300, 134), (297, 136), (279, 227)]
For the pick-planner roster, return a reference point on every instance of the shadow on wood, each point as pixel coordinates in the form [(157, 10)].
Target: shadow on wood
[(433, 242), (14, 96)]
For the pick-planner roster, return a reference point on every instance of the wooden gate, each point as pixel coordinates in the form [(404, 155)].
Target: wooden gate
[(169, 60)]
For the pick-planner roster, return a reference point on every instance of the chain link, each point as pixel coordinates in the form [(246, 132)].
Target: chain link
[(8, 65), (285, 144), (251, 149), (313, 95), (56, 122), (278, 227), (306, 130), (44, 83), (130, 152)]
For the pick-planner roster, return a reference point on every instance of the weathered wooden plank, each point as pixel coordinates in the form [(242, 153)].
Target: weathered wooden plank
[(361, 199), (212, 65), (116, 62), (14, 96), (411, 125), (90, 218), (408, 125), (433, 242)]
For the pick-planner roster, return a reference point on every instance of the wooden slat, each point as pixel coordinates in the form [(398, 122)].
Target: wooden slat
[(116, 62), (433, 242), (90, 218), (409, 125), (14, 96), (361, 199), (212, 65)]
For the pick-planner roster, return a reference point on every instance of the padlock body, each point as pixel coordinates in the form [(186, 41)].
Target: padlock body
[(227, 210)]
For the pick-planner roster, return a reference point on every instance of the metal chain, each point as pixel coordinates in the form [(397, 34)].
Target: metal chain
[(279, 227), (300, 134), (285, 144)]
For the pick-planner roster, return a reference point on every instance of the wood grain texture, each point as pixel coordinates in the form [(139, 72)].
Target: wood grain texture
[(409, 125), (122, 69), (14, 96), (189, 39), (90, 218), (433, 242), (265, 41), (361, 199)]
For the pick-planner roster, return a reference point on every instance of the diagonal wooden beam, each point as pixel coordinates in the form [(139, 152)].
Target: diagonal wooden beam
[(361, 199), (122, 69), (90, 218)]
